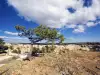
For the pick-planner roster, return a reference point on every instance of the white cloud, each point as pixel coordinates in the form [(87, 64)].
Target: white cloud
[(15, 39), (6, 37), (54, 13), (79, 29), (3, 37), (90, 24), (18, 40), (72, 26), (98, 23), (10, 33)]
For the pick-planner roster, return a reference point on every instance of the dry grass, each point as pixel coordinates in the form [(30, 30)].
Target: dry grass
[(67, 63)]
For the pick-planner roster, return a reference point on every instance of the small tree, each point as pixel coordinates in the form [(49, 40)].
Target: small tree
[(2, 47), (29, 33), (39, 33), (2, 41)]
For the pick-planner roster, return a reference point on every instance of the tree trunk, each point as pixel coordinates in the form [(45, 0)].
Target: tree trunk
[(31, 48), (52, 44)]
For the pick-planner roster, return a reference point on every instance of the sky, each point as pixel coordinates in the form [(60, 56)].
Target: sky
[(77, 20)]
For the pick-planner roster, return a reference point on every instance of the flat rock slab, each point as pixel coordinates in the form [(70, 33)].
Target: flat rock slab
[(5, 59), (2, 65)]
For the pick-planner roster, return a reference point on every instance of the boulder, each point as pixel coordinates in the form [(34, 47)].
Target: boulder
[(25, 56)]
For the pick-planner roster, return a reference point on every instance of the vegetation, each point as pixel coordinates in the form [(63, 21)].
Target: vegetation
[(2, 41), (2, 47), (16, 51), (11, 47), (36, 50), (40, 33), (68, 63)]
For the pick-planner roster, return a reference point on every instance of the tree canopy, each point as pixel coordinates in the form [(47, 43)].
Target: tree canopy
[(39, 33)]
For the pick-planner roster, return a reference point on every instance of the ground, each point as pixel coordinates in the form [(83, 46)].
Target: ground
[(65, 63)]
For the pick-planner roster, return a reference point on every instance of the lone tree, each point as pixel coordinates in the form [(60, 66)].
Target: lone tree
[(39, 33)]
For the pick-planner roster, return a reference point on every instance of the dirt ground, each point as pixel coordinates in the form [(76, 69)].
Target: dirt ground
[(65, 63)]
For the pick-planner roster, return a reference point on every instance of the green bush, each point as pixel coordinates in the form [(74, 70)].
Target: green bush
[(16, 51), (3, 49), (45, 49), (48, 49), (11, 47), (36, 50)]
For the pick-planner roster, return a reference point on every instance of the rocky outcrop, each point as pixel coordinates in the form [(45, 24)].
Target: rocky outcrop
[(27, 47)]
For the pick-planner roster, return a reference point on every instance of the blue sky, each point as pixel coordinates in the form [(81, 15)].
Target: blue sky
[(78, 21)]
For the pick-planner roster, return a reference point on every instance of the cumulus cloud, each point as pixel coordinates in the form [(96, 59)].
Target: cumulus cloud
[(54, 13), (90, 24), (72, 26), (79, 29), (10, 33)]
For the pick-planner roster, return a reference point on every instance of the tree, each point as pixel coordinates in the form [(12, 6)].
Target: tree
[(61, 37), (2, 47), (49, 34), (39, 33), (29, 33), (2, 41)]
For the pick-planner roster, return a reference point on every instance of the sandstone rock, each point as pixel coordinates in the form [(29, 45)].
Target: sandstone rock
[(25, 56)]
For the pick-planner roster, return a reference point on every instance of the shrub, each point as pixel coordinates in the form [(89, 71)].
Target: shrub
[(3, 49), (35, 51), (16, 51), (48, 49), (11, 47), (19, 51)]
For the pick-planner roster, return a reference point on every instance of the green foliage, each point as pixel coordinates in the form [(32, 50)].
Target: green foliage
[(2, 41), (36, 50), (20, 28), (2, 47), (16, 51), (61, 37), (48, 49), (40, 33), (11, 47), (46, 32)]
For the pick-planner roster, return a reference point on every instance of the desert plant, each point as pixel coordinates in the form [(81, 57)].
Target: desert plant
[(35, 50), (19, 51), (2, 41), (16, 51), (48, 49), (44, 50), (3, 49), (11, 47)]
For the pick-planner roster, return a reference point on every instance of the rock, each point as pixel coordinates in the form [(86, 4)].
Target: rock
[(25, 56)]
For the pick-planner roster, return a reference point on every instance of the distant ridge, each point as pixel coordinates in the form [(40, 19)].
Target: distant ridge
[(78, 43)]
